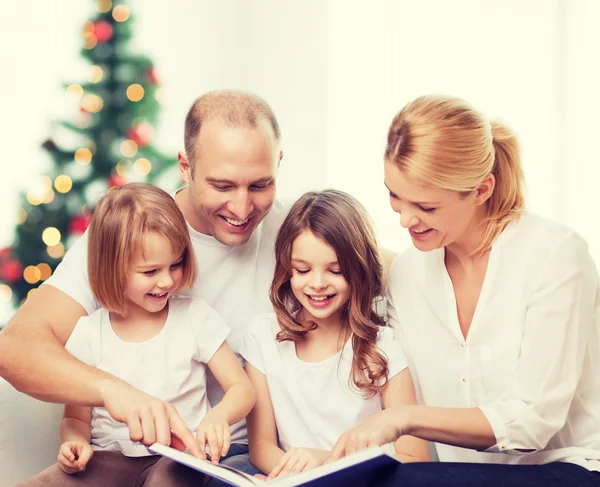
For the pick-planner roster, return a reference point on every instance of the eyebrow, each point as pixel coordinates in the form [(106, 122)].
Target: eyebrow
[(425, 203), (151, 266), (300, 261), (233, 183)]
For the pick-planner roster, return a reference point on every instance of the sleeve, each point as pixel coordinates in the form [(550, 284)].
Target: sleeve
[(71, 276), (251, 350), (209, 329), (558, 321), (392, 350), (85, 339)]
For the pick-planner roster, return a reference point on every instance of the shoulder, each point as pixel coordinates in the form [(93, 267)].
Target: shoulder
[(264, 326), (540, 240), (197, 310)]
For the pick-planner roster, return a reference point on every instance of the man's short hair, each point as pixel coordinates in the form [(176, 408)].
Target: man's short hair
[(233, 108)]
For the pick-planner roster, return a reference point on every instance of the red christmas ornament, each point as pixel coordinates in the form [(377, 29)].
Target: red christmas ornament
[(152, 76), (116, 180), (79, 224), (11, 271), (103, 31), (141, 134)]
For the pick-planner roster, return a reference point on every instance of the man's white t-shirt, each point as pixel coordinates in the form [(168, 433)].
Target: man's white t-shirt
[(235, 281), (314, 403), (170, 366), (531, 359)]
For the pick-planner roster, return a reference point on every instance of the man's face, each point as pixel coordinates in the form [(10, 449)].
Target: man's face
[(233, 183)]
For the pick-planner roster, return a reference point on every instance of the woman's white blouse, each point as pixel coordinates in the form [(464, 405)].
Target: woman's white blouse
[(531, 359)]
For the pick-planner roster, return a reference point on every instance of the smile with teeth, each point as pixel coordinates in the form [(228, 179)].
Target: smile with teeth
[(237, 223), (320, 298), (421, 231), (158, 295)]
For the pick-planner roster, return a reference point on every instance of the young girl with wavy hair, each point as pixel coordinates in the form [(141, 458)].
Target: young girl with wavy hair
[(325, 360)]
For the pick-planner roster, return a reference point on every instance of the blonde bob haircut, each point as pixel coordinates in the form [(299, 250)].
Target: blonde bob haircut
[(121, 220), (444, 143)]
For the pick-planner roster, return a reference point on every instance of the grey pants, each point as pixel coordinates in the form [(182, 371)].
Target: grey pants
[(113, 469)]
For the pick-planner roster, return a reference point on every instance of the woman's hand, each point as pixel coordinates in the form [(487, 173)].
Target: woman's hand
[(298, 460), (378, 429), (214, 431), (73, 456)]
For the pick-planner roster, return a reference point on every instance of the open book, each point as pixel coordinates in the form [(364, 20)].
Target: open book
[(355, 469)]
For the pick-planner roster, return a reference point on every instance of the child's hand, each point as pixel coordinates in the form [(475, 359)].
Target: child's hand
[(73, 456), (214, 431), (298, 460)]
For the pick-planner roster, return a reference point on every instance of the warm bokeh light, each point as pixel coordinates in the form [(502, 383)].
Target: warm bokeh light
[(120, 13), (92, 103), (21, 216), (96, 74), (75, 90), (88, 27), (63, 183), (135, 92), (35, 199), (51, 236), (129, 148), (31, 292), (83, 156), (120, 169), (89, 40), (103, 6), (5, 293), (142, 166), (49, 196), (32, 274), (45, 271), (56, 251)]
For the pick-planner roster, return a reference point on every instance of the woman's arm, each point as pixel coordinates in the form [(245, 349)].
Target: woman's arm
[(265, 453)]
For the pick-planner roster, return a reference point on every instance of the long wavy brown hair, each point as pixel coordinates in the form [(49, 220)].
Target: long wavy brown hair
[(341, 221)]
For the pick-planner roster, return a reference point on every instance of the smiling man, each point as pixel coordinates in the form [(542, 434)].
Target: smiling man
[(232, 153)]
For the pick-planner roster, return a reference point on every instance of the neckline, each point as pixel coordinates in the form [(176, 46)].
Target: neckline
[(144, 342)]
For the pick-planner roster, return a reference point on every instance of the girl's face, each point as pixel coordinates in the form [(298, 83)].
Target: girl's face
[(317, 281), (435, 218), (154, 275)]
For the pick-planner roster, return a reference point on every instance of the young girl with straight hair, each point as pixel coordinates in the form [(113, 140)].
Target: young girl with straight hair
[(508, 302), (139, 257), (325, 360)]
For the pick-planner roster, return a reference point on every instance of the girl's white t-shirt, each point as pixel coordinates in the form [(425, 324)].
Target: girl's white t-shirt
[(313, 403), (170, 366)]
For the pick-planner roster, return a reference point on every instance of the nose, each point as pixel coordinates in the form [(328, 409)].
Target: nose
[(408, 219), (165, 280), (241, 204), (318, 281)]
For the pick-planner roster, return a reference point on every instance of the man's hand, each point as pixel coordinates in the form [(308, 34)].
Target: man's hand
[(73, 456), (149, 419), (214, 431), (378, 429), (298, 460)]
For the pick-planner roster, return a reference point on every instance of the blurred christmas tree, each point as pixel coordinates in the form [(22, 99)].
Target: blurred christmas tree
[(118, 107)]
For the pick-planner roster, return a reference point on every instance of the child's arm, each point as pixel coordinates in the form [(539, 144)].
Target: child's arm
[(265, 453), (399, 391), (75, 434), (236, 404)]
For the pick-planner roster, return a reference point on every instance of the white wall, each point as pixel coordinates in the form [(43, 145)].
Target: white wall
[(335, 73)]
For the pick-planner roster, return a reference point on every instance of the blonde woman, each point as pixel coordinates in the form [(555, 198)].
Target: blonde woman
[(497, 310)]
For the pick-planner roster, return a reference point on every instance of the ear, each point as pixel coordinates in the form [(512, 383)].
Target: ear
[(485, 189), (184, 167), (280, 157)]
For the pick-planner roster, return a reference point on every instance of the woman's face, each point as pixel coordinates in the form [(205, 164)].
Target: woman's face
[(435, 218)]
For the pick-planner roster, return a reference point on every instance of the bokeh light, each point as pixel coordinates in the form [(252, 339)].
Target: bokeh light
[(142, 166), (32, 274), (135, 92), (63, 183), (51, 236), (83, 156), (128, 148), (120, 13)]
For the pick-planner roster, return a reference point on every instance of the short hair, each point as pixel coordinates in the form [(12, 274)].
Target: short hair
[(443, 142), (342, 222), (233, 108), (121, 220)]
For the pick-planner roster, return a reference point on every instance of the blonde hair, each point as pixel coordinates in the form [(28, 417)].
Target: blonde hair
[(121, 220), (340, 220), (445, 143)]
